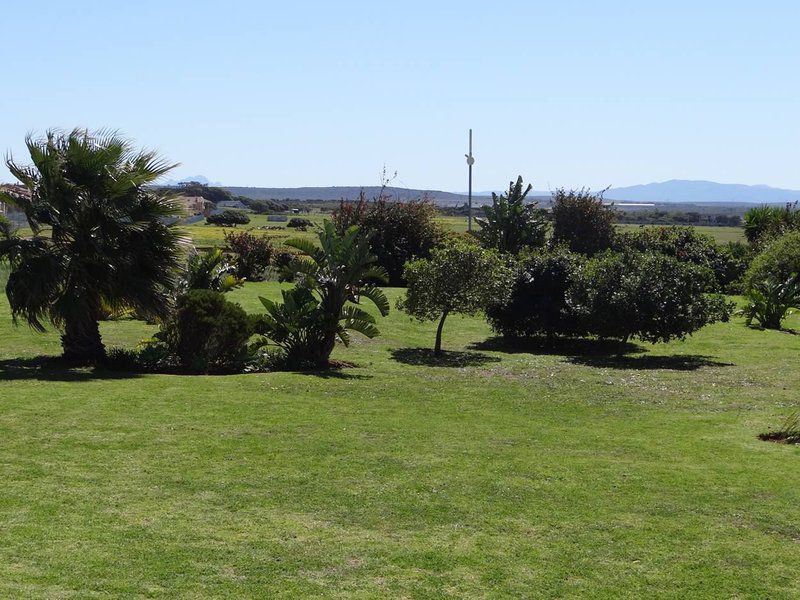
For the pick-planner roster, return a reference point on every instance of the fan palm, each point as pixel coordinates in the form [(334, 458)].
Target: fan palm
[(100, 238), (335, 276)]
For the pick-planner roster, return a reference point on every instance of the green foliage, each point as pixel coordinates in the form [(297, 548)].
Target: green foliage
[(208, 333), (109, 246), (459, 279), (728, 263), (212, 194), (300, 223), (766, 222), (401, 230), (253, 254), (652, 297), (779, 260), (582, 222), (331, 279), (209, 270), (537, 304), (228, 218), (262, 207), (509, 224), (771, 300)]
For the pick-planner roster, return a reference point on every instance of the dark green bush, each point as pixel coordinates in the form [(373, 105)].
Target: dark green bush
[(779, 260), (728, 263), (652, 297), (537, 304), (300, 223), (208, 333), (229, 218)]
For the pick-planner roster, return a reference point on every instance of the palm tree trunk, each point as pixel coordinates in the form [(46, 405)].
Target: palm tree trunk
[(437, 349), (81, 342)]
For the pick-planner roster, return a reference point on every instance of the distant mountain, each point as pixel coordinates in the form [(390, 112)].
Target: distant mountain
[(195, 178), (679, 190), (345, 193)]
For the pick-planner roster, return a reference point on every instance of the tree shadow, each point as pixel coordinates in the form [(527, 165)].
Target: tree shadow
[(558, 346), (448, 358), (51, 368), (647, 362), (333, 374)]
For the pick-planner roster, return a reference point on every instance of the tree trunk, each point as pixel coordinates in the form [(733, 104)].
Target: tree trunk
[(437, 349), (81, 342)]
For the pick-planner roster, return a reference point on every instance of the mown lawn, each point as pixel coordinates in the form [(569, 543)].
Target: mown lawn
[(496, 473)]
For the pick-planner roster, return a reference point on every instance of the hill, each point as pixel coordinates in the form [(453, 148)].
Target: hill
[(679, 190)]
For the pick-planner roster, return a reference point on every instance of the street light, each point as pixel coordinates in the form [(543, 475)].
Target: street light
[(470, 162)]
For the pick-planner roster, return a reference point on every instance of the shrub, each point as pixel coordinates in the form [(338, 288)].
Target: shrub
[(208, 333), (769, 301), (686, 244), (652, 297), (456, 279), (300, 223), (402, 230), (778, 260), (253, 254), (537, 304), (228, 218), (282, 256), (509, 225), (582, 222)]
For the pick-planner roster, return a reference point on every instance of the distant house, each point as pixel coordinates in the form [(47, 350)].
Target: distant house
[(195, 205), (10, 211)]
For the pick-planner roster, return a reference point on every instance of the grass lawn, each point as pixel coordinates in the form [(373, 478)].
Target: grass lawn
[(493, 473)]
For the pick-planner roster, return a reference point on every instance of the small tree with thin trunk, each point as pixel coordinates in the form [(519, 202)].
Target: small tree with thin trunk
[(461, 279)]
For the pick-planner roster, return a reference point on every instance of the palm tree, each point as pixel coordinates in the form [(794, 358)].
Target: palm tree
[(509, 224), (338, 273), (101, 236)]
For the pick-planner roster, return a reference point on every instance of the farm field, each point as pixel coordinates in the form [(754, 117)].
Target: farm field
[(494, 472)]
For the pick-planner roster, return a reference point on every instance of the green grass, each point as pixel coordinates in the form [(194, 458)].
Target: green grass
[(495, 474)]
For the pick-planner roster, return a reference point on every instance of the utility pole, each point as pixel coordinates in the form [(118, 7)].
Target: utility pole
[(470, 162)]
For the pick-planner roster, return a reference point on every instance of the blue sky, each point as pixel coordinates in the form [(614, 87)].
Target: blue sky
[(325, 93)]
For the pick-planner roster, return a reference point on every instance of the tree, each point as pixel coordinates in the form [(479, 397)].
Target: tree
[(582, 221), (765, 222), (335, 276), (459, 279), (402, 230), (228, 218), (509, 225), (109, 241)]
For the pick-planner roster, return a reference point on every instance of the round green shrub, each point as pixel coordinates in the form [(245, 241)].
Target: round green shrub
[(779, 260)]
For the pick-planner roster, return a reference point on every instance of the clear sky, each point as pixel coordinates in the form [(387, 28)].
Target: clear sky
[(565, 93)]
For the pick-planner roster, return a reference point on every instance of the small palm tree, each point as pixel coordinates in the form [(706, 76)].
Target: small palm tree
[(100, 239), (509, 225), (335, 276), (209, 270)]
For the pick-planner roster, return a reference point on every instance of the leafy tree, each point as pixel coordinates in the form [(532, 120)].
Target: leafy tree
[(402, 230), (253, 254), (509, 224), (582, 221), (537, 303), (652, 297), (209, 270), (335, 276), (459, 279), (300, 223), (210, 193), (109, 244), (769, 301), (228, 218)]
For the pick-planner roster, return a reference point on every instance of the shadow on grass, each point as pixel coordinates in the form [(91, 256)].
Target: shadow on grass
[(609, 354), (558, 346), (448, 358), (647, 362), (333, 374), (51, 368)]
